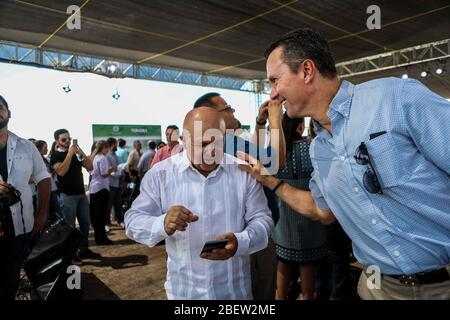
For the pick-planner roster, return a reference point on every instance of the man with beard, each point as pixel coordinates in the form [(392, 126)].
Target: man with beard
[(67, 161), (19, 161)]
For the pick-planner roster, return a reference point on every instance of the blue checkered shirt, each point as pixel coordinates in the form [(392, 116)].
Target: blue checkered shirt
[(406, 229)]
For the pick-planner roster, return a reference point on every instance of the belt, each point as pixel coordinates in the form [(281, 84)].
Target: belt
[(429, 277)]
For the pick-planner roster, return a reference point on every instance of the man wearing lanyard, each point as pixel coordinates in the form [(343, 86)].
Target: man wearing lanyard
[(381, 167)]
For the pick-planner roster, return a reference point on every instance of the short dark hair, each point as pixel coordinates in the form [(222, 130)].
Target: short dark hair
[(305, 43), (3, 101), (206, 100), (122, 142), (112, 141), (161, 143), (172, 126), (40, 144), (152, 145), (59, 132)]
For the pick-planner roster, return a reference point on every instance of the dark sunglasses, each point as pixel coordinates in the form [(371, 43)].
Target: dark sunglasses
[(227, 108), (370, 179), (66, 139)]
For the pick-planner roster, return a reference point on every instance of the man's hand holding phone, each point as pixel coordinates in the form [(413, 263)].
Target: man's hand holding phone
[(73, 149), (225, 253), (80, 153), (177, 218)]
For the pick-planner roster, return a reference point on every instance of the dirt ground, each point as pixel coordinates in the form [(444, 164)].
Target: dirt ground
[(127, 270)]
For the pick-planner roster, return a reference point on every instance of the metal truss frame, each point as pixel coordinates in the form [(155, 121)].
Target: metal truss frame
[(56, 59), (438, 50)]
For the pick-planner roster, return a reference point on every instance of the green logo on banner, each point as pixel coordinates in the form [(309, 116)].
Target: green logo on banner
[(106, 130)]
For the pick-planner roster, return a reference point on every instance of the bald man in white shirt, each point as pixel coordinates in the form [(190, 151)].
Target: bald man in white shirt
[(197, 196)]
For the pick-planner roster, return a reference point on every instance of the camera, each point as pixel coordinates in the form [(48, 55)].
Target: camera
[(9, 198)]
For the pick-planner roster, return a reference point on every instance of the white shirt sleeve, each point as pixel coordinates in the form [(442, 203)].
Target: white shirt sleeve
[(144, 221), (258, 220), (40, 171)]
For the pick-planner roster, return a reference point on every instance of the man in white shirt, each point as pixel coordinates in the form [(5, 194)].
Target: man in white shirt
[(197, 196), (19, 161), (264, 262)]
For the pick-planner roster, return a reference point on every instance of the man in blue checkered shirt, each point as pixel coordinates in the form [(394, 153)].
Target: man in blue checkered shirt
[(381, 167)]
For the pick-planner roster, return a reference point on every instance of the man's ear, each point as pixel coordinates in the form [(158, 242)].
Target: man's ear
[(309, 70)]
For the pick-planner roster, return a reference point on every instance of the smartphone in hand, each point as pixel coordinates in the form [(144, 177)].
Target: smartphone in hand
[(214, 244)]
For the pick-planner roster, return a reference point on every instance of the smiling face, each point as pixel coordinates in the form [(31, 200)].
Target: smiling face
[(287, 86)]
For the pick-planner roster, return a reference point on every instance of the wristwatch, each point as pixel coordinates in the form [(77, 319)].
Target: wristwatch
[(261, 123)]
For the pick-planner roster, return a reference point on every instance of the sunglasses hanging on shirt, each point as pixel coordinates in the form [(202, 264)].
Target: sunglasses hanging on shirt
[(370, 179)]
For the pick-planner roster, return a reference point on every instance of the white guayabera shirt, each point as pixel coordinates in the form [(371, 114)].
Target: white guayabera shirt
[(228, 200)]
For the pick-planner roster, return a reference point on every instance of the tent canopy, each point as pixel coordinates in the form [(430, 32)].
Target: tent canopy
[(227, 38)]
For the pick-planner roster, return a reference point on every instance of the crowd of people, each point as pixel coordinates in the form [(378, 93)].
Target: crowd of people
[(112, 168), (350, 185)]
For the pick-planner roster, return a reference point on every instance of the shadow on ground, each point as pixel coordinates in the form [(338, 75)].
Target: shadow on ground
[(121, 262), (95, 289)]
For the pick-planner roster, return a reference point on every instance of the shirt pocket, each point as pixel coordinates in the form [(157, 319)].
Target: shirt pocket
[(23, 163), (388, 160)]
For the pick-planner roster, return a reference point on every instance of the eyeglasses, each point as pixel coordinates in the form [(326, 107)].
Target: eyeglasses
[(227, 108), (66, 139), (370, 179)]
